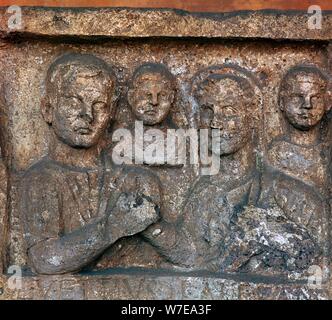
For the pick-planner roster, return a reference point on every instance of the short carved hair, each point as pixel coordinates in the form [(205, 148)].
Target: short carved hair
[(152, 68), (305, 70), (68, 66)]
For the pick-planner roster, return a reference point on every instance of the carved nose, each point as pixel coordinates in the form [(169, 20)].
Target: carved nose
[(307, 103), (154, 98), (216, 124), (87, 113)]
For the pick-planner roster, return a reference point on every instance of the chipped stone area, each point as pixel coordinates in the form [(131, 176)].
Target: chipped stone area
[(262, 240)]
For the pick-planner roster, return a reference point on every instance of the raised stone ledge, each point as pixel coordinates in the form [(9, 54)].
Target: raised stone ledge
[(125, 22), (156, 287)]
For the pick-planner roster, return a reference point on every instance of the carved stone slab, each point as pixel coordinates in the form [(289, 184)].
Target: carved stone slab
[(93, 102)]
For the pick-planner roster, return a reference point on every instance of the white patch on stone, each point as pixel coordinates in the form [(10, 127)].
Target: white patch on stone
[(263, 241), (156, 232), (179, 70), (55, 261), (280, 239)]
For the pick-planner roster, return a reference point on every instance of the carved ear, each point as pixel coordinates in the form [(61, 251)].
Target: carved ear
[(47, 110), (130, 97), (281, 103), (173, 96), (329, 98)]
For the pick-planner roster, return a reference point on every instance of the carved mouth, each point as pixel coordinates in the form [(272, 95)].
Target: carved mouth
[(304, 116), (150, 112), (83, 130), (227, 136), (222, 134)]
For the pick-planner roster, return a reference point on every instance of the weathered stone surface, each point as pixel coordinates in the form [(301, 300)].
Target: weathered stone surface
[(3, 214), (79, 199), (146, 287), (122, 22)]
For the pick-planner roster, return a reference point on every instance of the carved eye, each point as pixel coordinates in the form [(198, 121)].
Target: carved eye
[(72, 101), (315, 100), (148, 95), (206, 112), (99, 106), (296, 99)]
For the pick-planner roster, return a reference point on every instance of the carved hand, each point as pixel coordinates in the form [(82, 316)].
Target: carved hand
[(133, 213)]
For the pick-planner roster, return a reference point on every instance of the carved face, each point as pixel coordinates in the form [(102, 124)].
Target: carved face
[(303, 101), (81, 112), (223, 107), (151, 98)]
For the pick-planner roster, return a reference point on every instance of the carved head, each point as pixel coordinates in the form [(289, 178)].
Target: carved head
[(224, 101), (303, 96), (152, 93), (80, 98)]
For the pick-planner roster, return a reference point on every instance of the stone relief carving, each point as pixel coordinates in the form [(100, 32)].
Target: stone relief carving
[(152, 96), (265, 211), (152, 93), (74, 203), (195, 241), (226, 100), (296, 178)]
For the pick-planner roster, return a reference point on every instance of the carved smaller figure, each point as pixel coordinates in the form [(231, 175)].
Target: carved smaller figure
[(296, 172), (152, 93), (152, 98)]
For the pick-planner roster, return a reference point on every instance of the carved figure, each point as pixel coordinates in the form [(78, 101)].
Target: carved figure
[(75, 203), (198, 238), (152, 97), (296, 173)]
